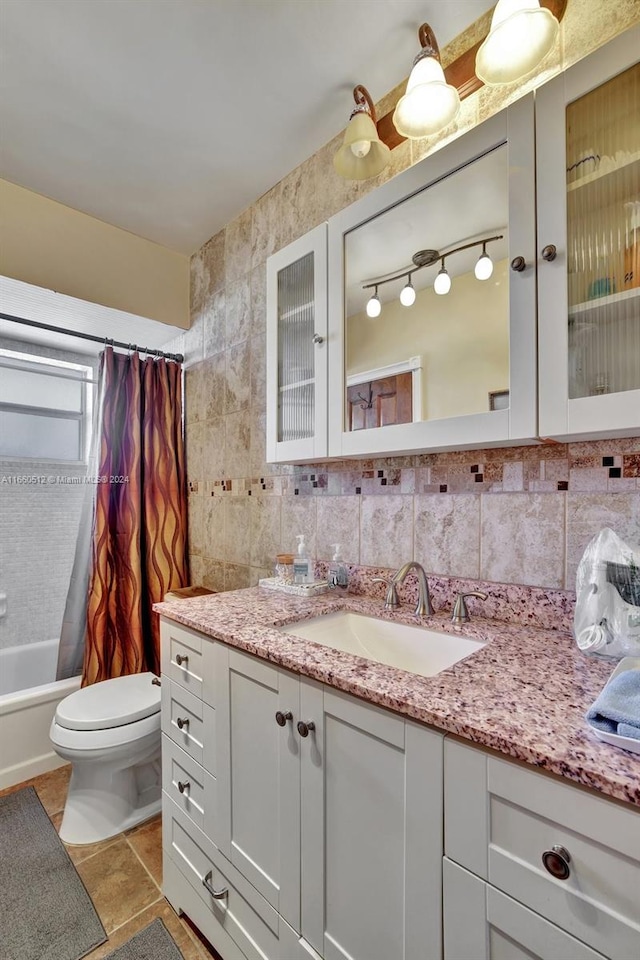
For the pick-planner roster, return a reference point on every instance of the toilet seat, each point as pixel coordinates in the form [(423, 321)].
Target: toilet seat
[(111, 704)]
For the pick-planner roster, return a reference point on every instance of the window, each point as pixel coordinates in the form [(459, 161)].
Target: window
[(45, 408)]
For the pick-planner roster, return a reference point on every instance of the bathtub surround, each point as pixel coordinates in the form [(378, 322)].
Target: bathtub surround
[(521, 515), (45, 907)]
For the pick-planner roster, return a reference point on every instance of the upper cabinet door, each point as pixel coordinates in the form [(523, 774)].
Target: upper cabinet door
[(588, 167), (297, 349), (470, 354)]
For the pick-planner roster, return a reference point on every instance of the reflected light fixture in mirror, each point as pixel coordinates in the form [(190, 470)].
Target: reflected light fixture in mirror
[(442, 283), (484, 267), (408, 294), (522, 34), (430, 103), (374, 307), (362, 154)]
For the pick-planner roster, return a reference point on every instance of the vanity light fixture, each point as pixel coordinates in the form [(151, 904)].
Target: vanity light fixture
[(442, 283), (430, 103), (374, 307), (408, 294), (484, 267), (362, 154), (522, 34)]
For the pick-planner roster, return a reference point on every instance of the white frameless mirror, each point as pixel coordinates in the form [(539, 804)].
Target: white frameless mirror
[(431, 352)]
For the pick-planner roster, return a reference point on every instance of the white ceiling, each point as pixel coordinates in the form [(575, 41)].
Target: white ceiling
[(169, 117)]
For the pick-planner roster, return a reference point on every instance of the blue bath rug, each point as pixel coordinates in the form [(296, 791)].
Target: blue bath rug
[(45, 910)]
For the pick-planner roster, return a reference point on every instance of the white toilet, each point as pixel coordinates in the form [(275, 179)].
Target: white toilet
[(110, 732)]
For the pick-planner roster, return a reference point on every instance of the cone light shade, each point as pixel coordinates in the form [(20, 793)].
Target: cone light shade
[(362, 154), (429, 104), (522, 34)]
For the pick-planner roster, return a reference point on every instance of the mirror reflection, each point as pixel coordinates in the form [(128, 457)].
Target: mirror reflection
[(427, 302)]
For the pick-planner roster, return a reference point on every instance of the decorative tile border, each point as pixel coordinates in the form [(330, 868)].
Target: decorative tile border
[(603, 466)]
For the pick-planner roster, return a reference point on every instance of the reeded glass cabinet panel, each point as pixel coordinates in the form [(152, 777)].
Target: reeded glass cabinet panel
[(296, 349), (588, 209), (603, 237), (296, 366)]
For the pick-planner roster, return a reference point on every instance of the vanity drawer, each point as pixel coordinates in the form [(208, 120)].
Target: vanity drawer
[(190, 723), (242, 912), (189, 785), (188, 659), (517, 815)]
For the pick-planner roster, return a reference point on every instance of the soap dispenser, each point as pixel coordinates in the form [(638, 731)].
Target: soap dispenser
[(337, 574), (302, 569)]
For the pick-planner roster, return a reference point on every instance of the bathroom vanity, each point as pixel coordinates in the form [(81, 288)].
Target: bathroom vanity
[(310, 796)]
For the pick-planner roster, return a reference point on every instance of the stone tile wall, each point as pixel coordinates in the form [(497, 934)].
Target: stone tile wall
[(520, 515)]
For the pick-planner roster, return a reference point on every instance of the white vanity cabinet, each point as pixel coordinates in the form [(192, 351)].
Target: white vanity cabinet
[(502, 899), (588, 209), (297, 350), (321, 831)]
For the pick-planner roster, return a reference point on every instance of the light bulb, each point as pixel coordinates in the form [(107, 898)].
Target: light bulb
[(374, 307), (521, 35), (484, 266), (408, 294), (360, 148), (442, 283)]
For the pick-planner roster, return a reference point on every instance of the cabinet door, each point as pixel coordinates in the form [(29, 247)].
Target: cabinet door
[(588, 168), (475, 341), (481, 923), (259, 779), (297, 350), (371, 831)]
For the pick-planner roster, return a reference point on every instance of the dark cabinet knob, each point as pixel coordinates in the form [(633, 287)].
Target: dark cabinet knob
[(304, 728), (518, 264), (556, 862), (182, 658), (182, 722), (549, 252), (281, 718), (183, 785), (156, 682)]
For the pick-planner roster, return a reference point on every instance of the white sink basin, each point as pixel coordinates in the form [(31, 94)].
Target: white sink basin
[(416, 649)]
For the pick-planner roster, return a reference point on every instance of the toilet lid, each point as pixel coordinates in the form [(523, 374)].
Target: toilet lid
[(110, 703)]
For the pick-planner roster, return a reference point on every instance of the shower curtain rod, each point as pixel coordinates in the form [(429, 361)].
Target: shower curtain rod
[(107, 341)]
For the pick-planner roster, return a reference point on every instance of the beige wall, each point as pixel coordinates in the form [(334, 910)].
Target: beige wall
[(520, 515), (52, 246), (463, 339)]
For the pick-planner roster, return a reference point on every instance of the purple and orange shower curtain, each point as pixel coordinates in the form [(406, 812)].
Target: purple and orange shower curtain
[(140, 523)]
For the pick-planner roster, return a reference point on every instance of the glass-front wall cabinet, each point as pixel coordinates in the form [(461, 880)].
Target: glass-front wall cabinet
[(431, 331), (296, 349), (589, 233)]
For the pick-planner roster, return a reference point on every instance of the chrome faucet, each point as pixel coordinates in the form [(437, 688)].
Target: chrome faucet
[(391, 601)]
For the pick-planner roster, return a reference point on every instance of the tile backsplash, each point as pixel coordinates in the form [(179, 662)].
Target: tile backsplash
[(517, 515)]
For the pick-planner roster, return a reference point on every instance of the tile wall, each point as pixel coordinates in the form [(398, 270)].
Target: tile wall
[(518, 515), (38, 530)]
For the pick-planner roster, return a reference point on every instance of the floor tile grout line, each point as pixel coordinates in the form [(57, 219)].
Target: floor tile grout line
[(134, 916), (136, 854)]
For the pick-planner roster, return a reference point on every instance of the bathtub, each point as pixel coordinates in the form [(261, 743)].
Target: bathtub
[(28, 699)]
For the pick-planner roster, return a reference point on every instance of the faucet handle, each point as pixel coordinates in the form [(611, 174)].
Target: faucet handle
[(391, 601), (460, 613)]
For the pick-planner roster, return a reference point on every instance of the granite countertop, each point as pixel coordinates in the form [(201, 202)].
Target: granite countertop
[(524, 694)]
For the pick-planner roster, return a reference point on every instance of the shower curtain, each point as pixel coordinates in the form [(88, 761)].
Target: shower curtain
[(139, 535)]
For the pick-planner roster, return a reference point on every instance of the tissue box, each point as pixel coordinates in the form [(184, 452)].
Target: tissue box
[(296, 589)]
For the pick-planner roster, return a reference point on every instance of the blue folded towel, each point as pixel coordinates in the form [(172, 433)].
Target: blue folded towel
[(617, 708)]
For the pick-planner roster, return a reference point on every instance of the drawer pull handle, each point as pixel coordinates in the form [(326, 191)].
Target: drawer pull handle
[(156, 682), (304, 728), (182, 658), (182, 722), (281, 718), (183, 785), (549, 252), (556, 862), (216, 894)]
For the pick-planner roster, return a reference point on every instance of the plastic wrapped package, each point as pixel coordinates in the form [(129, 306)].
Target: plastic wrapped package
[(607, 617)]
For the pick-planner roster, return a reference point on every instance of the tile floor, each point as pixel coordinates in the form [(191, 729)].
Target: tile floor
[(123, 876)]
